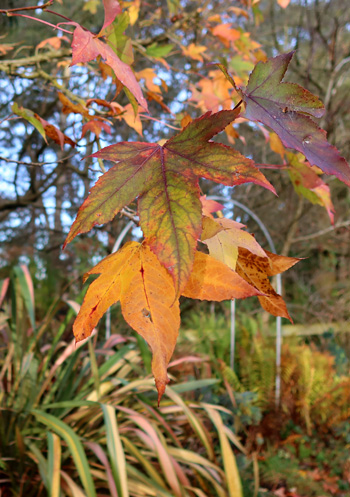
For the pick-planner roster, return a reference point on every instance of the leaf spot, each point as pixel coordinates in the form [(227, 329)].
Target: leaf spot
[(307, 140)]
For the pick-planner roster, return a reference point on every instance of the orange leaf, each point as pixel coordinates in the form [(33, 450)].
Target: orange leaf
[(209, 206), (54, 42), (95, 127), (255, 270), (280, 263), (194, 51), (127, 113), (104, 291), (226, 34), (212, 280), (283, 3), (70, 107), (149, 75), (54, 133), (150, 307), (146, 292)]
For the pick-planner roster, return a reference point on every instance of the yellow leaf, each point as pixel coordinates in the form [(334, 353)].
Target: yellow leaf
[(223, 245), (276, 144), (134, 11)]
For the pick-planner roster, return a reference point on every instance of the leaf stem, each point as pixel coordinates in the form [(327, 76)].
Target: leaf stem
[(100, 162), (44, 22), (58, 14)]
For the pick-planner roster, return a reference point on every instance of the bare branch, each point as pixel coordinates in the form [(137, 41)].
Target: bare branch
[(34, 7)]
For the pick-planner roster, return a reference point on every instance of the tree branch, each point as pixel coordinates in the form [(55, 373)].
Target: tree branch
[(34, 7)]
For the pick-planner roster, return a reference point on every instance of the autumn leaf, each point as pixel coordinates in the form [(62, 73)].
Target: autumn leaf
[(149, 75), (226, 34), (283, 3), (95, 127), (29, 116), (135, 277), (212, 280), (308, 184), (209, 206), (86, 47), (224, 245), (112, 10), (70, 107), (256, 270), (127, 113), (165, 180), (283, 107), (194, 51), (150, 307), (54, 42), (54, 133)]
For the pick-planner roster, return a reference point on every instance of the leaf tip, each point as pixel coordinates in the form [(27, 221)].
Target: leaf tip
[(161, 386)]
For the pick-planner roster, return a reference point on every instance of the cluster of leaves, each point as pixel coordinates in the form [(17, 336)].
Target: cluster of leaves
[(149, 278)]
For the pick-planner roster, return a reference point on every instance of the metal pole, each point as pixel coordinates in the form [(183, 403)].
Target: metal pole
[(233, 334), (278, 289)]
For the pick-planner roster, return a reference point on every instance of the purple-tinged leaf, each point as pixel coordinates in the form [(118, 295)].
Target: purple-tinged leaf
[(283, 107)]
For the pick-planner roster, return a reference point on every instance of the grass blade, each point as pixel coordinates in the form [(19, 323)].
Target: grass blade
[(115, 450), (54, 464), (231, 471), (75, 447)]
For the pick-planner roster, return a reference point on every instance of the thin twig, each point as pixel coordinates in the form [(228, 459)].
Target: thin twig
[(42, 21), (34, 7), (21, 162), (344, 224)]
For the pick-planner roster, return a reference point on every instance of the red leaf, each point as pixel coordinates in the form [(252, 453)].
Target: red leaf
[(282, 107), (112, 10), (95, 127), (86, 47)]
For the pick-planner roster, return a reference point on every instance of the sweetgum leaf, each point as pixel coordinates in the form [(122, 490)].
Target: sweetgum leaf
[(165, 180), (283, 107), (146, 292), (112, 10), (256, 270), (213, 280), (86, 47), (223, 246)]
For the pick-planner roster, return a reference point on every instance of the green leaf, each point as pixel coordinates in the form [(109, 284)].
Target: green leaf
[(156, 50), (75, 447), (165, 180), (28, 115), (116, 451)]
